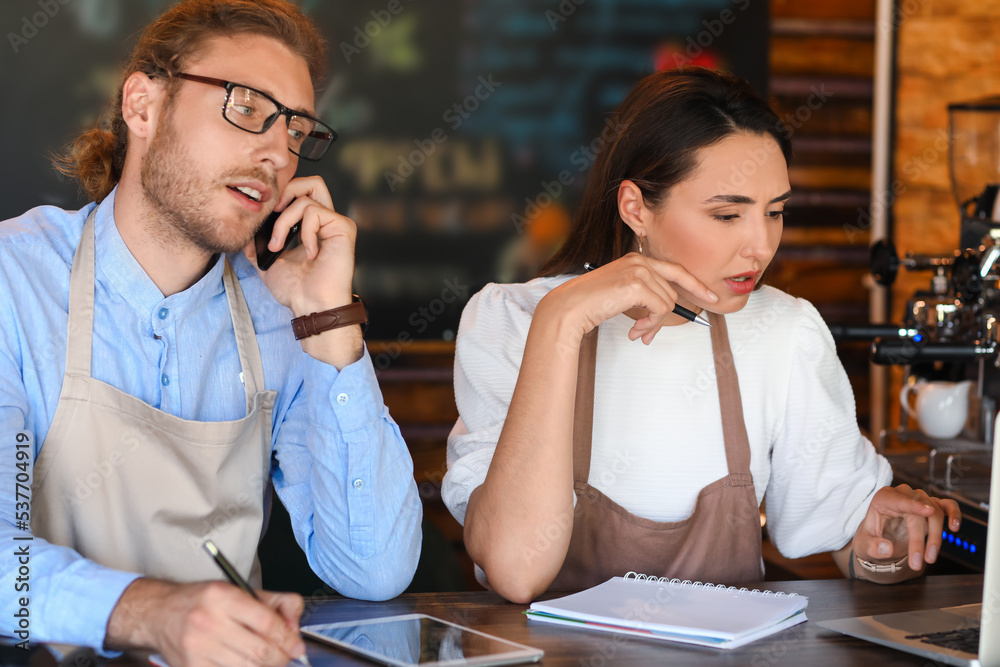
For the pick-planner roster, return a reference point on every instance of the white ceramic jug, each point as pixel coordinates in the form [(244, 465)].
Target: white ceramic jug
[(940, 409)]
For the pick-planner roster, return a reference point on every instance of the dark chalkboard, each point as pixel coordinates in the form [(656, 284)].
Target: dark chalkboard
[(467, 126)]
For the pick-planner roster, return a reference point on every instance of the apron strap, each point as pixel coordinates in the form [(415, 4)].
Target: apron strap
[(583, 411), (734, 430), (246, 337), (80, 329), (80, 321)]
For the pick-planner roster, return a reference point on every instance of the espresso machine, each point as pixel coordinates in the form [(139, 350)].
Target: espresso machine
[(948, 341)]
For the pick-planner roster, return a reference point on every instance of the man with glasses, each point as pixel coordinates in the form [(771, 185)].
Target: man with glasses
[(255, 111), (151, 385)]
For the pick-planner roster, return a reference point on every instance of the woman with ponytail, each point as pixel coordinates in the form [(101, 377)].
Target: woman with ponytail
[(603, 431)]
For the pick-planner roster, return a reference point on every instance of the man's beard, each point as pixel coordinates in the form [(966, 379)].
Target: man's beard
[(181, 197)]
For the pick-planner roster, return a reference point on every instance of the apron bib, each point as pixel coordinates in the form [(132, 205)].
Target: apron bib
[(720, 542), (137, 489)]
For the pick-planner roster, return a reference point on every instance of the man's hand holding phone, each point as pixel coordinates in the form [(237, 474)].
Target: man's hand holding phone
[(265, 256), (317, 273)]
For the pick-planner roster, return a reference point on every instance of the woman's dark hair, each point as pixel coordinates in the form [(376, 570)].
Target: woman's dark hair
[(656, 134)]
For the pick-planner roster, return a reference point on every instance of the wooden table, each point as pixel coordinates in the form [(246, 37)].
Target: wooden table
[(804, 644)]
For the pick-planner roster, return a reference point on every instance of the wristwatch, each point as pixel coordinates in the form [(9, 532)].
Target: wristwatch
[(344, 316)]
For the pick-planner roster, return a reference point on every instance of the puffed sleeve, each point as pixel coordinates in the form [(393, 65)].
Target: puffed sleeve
[(488, 351), (824, 472)]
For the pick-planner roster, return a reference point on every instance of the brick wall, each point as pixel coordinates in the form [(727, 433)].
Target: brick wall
[(948, 51)]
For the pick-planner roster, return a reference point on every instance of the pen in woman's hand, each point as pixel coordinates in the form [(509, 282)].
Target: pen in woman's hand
[(678, 309), (238, 581)]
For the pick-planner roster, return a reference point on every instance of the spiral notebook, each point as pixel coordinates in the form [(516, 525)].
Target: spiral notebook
[(675, 610)]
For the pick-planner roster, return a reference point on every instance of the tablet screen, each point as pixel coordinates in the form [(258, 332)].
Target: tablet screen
[(418, 639)]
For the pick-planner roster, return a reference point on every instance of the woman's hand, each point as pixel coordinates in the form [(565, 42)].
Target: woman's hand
[(903, 521), (633, 281)]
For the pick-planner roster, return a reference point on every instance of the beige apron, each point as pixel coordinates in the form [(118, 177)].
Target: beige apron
[(718, 543), (137, 489)]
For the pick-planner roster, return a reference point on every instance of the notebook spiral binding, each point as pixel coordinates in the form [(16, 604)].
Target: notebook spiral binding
[(636, 576)]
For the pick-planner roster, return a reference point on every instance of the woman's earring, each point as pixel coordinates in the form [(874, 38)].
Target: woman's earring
[(640, 244)]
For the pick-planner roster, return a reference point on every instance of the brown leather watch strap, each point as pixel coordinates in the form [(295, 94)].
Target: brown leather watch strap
[(344, 316)]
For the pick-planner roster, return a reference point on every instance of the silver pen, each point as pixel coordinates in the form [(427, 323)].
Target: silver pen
[(238, 581), (680, 310)]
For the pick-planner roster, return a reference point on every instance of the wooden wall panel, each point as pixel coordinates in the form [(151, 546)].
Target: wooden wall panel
[(822, 60), (822, 55), (824, 9)]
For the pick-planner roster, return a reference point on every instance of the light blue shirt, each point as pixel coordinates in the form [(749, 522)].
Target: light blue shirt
[(340, 465)]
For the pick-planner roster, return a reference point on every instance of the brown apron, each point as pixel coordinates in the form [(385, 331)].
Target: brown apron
[(138, 489), (718, 543)]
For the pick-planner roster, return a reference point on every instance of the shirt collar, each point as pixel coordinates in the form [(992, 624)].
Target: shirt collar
[(117, 267)]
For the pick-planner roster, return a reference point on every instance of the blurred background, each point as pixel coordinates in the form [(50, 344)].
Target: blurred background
[(456, 119), (467, 128)]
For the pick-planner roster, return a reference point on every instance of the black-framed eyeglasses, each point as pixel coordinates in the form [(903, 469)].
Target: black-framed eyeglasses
[(255, 111)]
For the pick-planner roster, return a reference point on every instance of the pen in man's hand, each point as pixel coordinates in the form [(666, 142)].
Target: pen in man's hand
[(238, 581), (680, 310)]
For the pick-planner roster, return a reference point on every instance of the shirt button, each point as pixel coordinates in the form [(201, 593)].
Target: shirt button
[(163, 313), (343, 399), (164, 380), (358, 483)]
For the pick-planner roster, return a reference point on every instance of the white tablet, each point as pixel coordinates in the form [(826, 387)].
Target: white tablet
[(419, 639)]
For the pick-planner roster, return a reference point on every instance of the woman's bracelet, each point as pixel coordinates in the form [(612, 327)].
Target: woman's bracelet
[(894, 566), (880, 570)]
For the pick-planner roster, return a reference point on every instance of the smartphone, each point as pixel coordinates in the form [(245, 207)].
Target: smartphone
[(265, 257)]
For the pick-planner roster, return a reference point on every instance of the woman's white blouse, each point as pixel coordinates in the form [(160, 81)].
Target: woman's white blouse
[(657, 425)]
